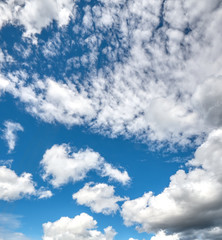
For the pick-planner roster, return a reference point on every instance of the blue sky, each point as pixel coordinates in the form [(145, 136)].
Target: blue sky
[(110, 124)]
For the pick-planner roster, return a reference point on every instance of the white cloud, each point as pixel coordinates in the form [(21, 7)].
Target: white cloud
[(162, 236), (43, 193), (154, 85), (35, 15), (55, 101), (80, 227), (61, 165), (3, 84), (9, 133), (14, 187), (115, 174), (192, 201), (99, 197)]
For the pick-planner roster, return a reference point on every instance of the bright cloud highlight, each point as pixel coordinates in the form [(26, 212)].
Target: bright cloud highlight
[(81, 227), (99, 197), (61, 165)]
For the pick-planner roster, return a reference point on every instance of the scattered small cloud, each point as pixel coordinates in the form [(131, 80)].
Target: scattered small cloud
[(10, 133), (61, 165), (99, 197)]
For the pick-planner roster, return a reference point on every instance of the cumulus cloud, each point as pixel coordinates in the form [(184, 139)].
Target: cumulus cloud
[(61, 165), (80, 227), (191, 205), (35, 15), (14, 187), (9, 133), (162, 236), (99, 197)]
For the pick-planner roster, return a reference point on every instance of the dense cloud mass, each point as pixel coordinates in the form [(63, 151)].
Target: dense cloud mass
[(81, 227), (191, 203), (163, 69)]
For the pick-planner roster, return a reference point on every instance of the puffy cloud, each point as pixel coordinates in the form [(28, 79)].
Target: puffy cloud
[(9, 133), (99, 197), (80, 227), (61, 165), (162, 236), (191, 205), (35, 15), (14, 187)]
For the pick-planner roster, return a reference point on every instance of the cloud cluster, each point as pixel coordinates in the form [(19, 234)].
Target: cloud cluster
[(81, 227), (61, 165), (146, 69), (14, 187), (9, 133), (191, 205), (99, 197), (154, 69), (35, 15)]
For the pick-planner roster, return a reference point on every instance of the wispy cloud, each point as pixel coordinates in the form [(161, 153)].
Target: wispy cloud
[(10, 133), (148, 84), (9, 223)]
